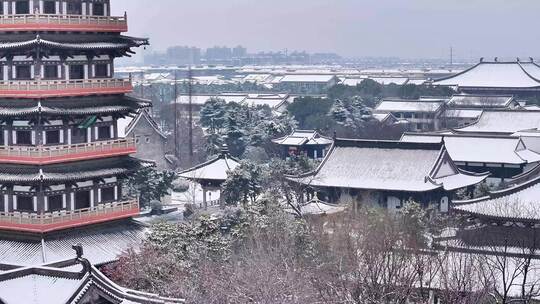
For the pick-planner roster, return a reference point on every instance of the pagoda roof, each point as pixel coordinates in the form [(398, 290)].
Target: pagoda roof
[(479, 148), (512, 75), (389, 165), (50, 44), (504, 122), (73, 280), (303, 137), (215, 169), (103, 244), (519, 203), (10, 173), (72, 106)]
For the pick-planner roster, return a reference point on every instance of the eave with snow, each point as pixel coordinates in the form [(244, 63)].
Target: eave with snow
[(505, 157), (304, 142), (388, 174), (422, 115), (503, 122), (518, 205), (497, 77)]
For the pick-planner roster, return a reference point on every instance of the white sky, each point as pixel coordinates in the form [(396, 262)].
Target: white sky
[(404, 28)]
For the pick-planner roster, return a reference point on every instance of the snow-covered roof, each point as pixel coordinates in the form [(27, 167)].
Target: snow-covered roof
[(392, 166), (504, 122), (462, 113), (102, 244), (133, 123), (518, 75), (317, 207), (272, 100), (382, 117), (75, 283), (307, 78), (390, 80), (481, 101), (417, 81), (409, 106), (480, 149), (303, 137), (216, 169), (521, 202)]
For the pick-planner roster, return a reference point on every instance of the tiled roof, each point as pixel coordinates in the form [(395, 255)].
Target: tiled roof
[(102, 244), (504, 122), (380, 165), (409, 106), (515, 75), (480, 101), (75, 172), (303, 137), (521, 203), (216, 169), (66, 106)]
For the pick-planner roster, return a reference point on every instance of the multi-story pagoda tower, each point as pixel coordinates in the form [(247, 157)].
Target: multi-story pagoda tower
[(61, 160)]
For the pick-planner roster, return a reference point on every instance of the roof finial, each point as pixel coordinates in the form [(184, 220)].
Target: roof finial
[(532, 59), (496, 59), (86, 266), (224, 150), (481, 59), (517, 59)]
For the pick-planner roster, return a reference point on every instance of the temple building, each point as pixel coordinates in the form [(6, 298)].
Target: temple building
[(388, 174), (422, 115), (304, 142), (62, 162), (503, 122), (519, 78), (504, 157)]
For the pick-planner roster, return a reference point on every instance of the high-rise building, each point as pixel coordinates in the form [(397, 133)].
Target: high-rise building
[(62, 162)]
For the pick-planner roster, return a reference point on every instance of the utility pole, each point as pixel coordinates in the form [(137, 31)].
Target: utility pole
[(190, 109), (175, 100), (451, 57)]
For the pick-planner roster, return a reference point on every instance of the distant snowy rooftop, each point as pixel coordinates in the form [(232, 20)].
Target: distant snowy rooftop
[(216, 169), (303, 137), (409, 106), (504, 122), (514, 75), (480, 101), (307, 78)]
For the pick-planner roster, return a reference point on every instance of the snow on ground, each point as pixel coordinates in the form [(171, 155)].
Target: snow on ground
[(193, 195)]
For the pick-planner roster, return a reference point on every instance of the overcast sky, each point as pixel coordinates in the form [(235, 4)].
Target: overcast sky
[(353, 28)]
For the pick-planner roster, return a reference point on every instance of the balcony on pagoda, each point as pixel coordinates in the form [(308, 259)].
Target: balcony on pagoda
[(60, 220), (64, 88), (46, 155), (68, 23)]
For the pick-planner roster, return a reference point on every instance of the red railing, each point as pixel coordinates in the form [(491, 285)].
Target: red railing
[(64, 153), (28, 22), (58, 88), (47, 222)]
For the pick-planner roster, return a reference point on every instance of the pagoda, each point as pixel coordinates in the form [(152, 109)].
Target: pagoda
[(61, 160)]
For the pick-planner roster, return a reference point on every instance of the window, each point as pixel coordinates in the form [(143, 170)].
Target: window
[(23, 72), (25, 203), (104, 132), (101, 70), (50, 71), (107, 194), (56, 202), (49, 7), (76, 71), (52, 137), (74, 8), (82, 200), (24, 138), (99, 9), (147, 139), (78, 136), (22, 7)]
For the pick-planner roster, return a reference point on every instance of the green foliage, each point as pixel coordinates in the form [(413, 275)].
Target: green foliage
[(240, 126), (243, 184), (412, 91), (150, 184), (307, 110)]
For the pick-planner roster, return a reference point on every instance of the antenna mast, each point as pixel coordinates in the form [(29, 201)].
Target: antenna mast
[(190, 93)]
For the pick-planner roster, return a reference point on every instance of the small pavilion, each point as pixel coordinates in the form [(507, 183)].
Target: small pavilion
[(212, 174)]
